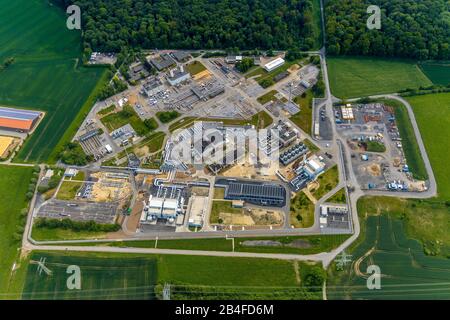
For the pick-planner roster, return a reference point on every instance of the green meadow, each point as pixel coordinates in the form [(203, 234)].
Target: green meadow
[(432, 112), (352, 77), (47, 73), (13, 188)]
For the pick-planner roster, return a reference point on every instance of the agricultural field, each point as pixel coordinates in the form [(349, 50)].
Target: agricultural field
[(124, 276), (47, 74), (437, 72), (357, 76), (13, 188), (432, 112), (407, 273)]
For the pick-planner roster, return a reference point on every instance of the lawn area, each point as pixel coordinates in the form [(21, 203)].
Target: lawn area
[(195, 67), (303, 119), (13, 187), (68, 190), (116, 120), (219, 193), (267, 97), (182, 123), (260, 120), (128, 276), (390, 230), (432, 113), (47, 74), (48, 234), (167, 116), (302, 211), (338, 197), (437, 72), (221, 207), (328, 181), (357, 76), (266, 79), (152, 143), (375, 146), (107, 110)]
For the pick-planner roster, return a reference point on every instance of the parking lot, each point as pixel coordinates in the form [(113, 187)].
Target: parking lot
[(79, 211)]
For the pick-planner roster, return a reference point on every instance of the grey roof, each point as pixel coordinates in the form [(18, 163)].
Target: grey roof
[(237, 189), (164, 61), (18, 114), (180, 55)]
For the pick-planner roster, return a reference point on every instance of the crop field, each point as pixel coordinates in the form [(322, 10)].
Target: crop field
[(407, 273), (13, 187), (357, 77), (432, 112), (437, 72), (125, 276), (46, 73)]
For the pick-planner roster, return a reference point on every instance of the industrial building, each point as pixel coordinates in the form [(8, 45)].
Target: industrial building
[(180, 56), (272, 65), (258, 193), (293, 153), (306, 172), (233, 59), (18, 119), (161, 208), (177, 76), (163, 62)]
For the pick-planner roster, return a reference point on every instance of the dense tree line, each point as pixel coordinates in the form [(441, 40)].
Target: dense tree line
[(68, 224), (418, 29), (111, 25)]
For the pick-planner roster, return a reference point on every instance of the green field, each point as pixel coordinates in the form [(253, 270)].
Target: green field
[(301, 211), (327, 182), (13, 187), (407, 272), (356, 77), (47, 74), (122, 276), (432, 113), (437, 72), (68, 190), (303, 118), (195, 67), (116, 120), (338, 197)]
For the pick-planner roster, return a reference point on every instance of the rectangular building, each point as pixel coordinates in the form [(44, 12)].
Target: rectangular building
[(272, 65), (18, 119)]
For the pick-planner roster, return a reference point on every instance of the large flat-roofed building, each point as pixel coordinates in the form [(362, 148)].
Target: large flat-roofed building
[(164, 61), (258, 193), (18, 119), (272, 65)]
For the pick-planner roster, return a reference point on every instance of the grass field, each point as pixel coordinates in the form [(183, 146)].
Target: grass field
[(116, 120), (115, 276), (301, 211), (437, 72), (68, 190), (195, 68), (407, 272), (432, 113), (303, 118), (269, 96), (47, 74), (13, 187), (338, 197), (327, 181), (357, 76)]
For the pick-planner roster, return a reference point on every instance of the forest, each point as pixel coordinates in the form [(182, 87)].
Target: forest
[(417, 29), (111, 25)]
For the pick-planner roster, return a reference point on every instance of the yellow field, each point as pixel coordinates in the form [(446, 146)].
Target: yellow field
[(5, 143)]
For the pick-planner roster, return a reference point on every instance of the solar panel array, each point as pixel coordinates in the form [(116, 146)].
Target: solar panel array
[(18, 114), (256, 190)]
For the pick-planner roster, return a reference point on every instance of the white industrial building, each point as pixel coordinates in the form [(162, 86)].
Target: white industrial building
[(177, 76), (272, 65), (161, 208)]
